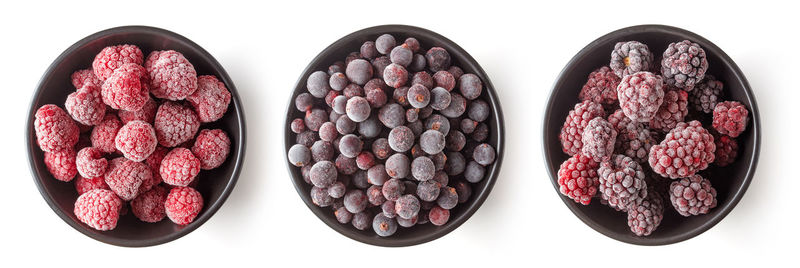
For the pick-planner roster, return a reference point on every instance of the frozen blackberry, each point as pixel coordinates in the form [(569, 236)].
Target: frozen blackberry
[(422, 168), (601, 87), (621, 182), (357, 109), (318, 84), (395, 75), (730, 118), (630, 57), (438, 59), (392, 115), (577, 178), (684, 64), (726, 151), (470, 86), (384, 226), (419, 96), (646, 215), (672, 111), (706, 95), (401, 139), (407, 206), (299, 155), (572, 130), (359, 71), (686, 149), (692, 196), (633, 139), (598, 139), (401, 55), (640, 95), (398, 166)]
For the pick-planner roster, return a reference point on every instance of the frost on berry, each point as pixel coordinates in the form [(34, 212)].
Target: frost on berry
[(154, 162), (124, 177), (172, 76), (727, 150), (211, 147), (730, 118), (86, 76), (104, 134), (672, 111), (149, 206), (577, 178), (598, 139), (706, 95), (601, 87), (55, 130), (211, 98), (113, 57), (685, 150), (630, 57), (127, 88), (633, 138), (179, 167), (693, 195), (621, 182), (640, 95), (175, 124), (646, 215), (90, 162), (61, 164), (147, 113), (183, 204), (83, 185), (576, 121), (99, 209), (136, 140), (684, 64), (86, 105)]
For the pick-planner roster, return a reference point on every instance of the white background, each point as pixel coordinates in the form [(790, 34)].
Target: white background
[(265, 47)]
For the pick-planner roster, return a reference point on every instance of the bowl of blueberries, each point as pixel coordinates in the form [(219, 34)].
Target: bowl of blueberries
[(394, 136), (651, 135)]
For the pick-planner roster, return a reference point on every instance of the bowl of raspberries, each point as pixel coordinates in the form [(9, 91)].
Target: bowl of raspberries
[(135, 136), (394, 136), (651, 135)]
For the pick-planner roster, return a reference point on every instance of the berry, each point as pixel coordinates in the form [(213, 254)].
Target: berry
[(318, 84), (455, 163), (179, 167), (211, 98), (444, 80), (422, 78), (384, 226), (577, 178), (376, 97), (448, 197), (692, 196), (412, 43), (730, 118), (112, 57), (345, 126), (342, 215), (387, 208), (398, 166), (147, 113), (392, 115), (211, 147), (136, 140), (621, 182), (361, 220), (419, 96), (365, 160), (455, 141), (338, 81), (468, 125), (99, 209), (631, 57), (464, 191), (428, 191), (379, 64), (385, 43), (172, 76), (55, 130), (686, 149), (355, 201), (645, 216), (438, 216), (438, 59), (149, 206), (86, 76), (633, 139), (346, 165), (727, 150), (375, 195), (640, 95), (369, 50), (183, 204), (440, 99), (578, 118), (381, 148), (706, 94), (601, 87), (175, 124), (474, 172), (86, 105), (357, 109), (299, 155), (377, 175), (328, 132), (598, 139), (370, 128), (304, 102), (422, 168), (401, 139), (672, 110), (418, 63), (684, 64), (395, 75), (359, 71), (125, 177), (320, 197), (306, 138), (484, 154), (315, 118), (350, 145), (83, 185), (104, 134), (154, 162), (412, 115), (407, 206), (323, 174), (393, 189), (478, 110), (90, 162), (470, 86), (61, 164), (401, 55), (127, 88)]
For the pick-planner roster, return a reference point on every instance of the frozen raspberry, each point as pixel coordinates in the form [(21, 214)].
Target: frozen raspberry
[(179, 167), (83, 184), (640, 95), (621, 182), (601, 87), (104, 134), (172, 76), (727, 150), (577, 178), (631, 57), (85, 76), (61, 164), (686, 149), (111, 58), (672, 111), (55, 130), (136, 140), (578, 118), (706, 95), (147, 113), (211, 147), (90, 162), (149, 206), (730, 118), (211, 98), (124, 177), (645, 216), (175, 124), (98, 208), (127, 88), (154, 162), (684, 64), (183, 204), (692, 196), (86, 105), (598, 139)]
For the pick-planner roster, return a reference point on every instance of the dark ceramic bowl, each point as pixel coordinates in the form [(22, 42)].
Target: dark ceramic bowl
[(730, 182), (55, 85), (420, 233)]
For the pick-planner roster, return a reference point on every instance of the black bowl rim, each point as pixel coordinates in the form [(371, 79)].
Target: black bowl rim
[(471, 208), (211, 209), (725, 208)]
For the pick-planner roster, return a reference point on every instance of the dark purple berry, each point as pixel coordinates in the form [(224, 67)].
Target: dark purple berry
[(384, 226), (400, 95), (327, 131), (457, 107), (422, 168), (381, 149), (357, 109), (342, 215), (439, 160), (322, 151), (412, 43), (407, 206), (376, 97), (484, 154), (340, 104), (346, 165), (412, 115), (419, 96), (418, 63), (393, 189), (422, 78), (299, 155), (320, 197), (464, 191), (361, 220), (444, 80), (478, 110), (398, 166), (470, 86), (416, 127), (368, 50), (387, 208), (315, 118), (474, 172), (481, 132), (317, 84), (428, 190), (345, 126), (359, 179), (401, 139), (392, 115), (440, 98), (438, 122), (448, 197), (438, 59), (455, 163), (439, 216), (359, 71), (353, 90), (395, 75), (306, 138), (336, 67), (377, 175), (350, 145), (365, 160), (407, 222), (379, 65), (338, 81), (298, 125), (456, 72), (455, 141), (468, 125), (370, 128), (337, 190), (375, 195), (323, 174), (401, 55), (385, 43), (355, 201), (432, 141), (304, 102), (351, 57)]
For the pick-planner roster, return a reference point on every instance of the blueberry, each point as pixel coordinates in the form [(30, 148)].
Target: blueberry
[(422, 168), (478, 110), (322, 151), (448, 197), (398, 166), (438, 59), (393, 189), (392, 115), (407, 206), (419, 96), (377, 175), (299, 155), (401, 55), (474, 172), (440, 98), (401, 139), (385, 43), (357, 109), (484, 154), (432, 141), (320, 197), (355, 201), (384, 226), (428, 190), (318, 84), (470, 86), (304, 102), (359, 71)]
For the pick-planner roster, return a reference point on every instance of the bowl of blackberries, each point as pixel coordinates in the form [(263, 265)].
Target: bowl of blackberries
[(394, 135), (651, 135), (135, 136)]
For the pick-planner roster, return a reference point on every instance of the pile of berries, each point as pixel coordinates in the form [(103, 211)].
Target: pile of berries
[(393, 135), (612, 138), (131, 135)]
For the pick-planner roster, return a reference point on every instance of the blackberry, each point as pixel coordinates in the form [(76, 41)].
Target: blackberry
[(684, 64), (630, 57), (730, 118), (598, 139), (576, 121), (601, 87), (706, 95), (727, 150), (633, 139), (686, 149), (577, 178), (692, 196), (672, 111), (621, 182), (640, 95), (646, 215)]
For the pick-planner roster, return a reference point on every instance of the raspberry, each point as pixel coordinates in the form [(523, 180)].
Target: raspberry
[(55, 130), (211, 98), (706, 94), (578, 118), (730, 118), (645, 216), (90, 162), (598, 139), (684, 64), (85, 76), (154, 163), (125, 176), (183, 204), (98, 208), (86, 105), (147, 113), (692, 196), (672, 110), (640, 95), (622, 182), (83, 185), (630, 57), (179, 167), (686, 149), (104, 134), (211, 147), (113, 57), (136, 140), (149, 206), (577, 178), (127, 88), (727, 150), (601, 87), (61, 164), (172, 76), (175, 124)]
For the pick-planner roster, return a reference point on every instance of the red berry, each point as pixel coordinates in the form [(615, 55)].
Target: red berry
[(183, 204), (727, 150), (61, 164), (438, 216), (211, 98), (136, 140), (127, 88), (211, 147), (154, 162), (730, 118), (175, 124), (112, 57), (578, 118), (90, 162), (179, 167), (55, 130), (147, 113), (577, 178), (125, 177), (149, 206), (601, 87), (99, 209), (672, 110), (104, 134), (83, 185), (692, 196), (640, 95), (82, 77), (172, 76), (86, 105), (686, 149)]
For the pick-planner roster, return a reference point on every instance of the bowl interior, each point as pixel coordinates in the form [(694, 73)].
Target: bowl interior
[(215, 185), (730, 182), (419, 233)]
